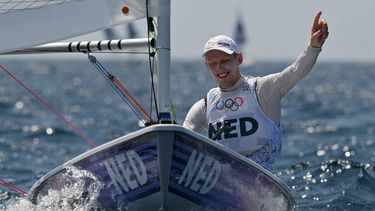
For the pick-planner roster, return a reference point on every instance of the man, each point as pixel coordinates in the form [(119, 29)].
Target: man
[(243, 113)]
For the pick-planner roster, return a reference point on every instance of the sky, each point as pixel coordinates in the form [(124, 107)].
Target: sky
[(277, 30)]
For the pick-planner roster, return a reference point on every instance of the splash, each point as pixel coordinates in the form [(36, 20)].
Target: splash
[(80, 192)]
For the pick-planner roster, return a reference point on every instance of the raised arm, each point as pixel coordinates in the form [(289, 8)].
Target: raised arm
[(271, 88)]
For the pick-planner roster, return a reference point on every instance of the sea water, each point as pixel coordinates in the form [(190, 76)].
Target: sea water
[(328, 120)]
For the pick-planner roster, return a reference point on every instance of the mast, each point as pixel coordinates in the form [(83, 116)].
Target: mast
[(164, 56)]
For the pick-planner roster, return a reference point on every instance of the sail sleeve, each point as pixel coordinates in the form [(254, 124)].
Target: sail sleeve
[(27, 23)]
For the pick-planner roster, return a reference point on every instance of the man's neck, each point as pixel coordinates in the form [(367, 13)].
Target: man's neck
[(235, 86)]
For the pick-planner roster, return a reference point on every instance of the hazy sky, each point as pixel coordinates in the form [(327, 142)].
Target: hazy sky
[(278, 29)]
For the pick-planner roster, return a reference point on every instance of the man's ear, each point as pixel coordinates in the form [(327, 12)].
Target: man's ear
[(205, 63), (239, 58)]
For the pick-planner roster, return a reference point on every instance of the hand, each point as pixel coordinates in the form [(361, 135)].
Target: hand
[(319, 31)]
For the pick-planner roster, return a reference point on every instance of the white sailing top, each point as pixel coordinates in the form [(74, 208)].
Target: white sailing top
[(249, 128)]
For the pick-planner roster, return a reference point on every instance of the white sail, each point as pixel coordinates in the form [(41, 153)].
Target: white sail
[(27, 23)]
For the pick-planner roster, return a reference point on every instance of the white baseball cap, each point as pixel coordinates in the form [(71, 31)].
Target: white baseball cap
[(222, 43)]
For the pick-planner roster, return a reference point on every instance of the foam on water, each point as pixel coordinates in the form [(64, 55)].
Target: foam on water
[(77, 194)]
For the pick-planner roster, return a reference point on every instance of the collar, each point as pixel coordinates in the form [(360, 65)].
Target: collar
[(235, 86)]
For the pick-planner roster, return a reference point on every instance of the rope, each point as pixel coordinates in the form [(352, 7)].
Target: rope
[(151, 30), (123, 92), (49, 107), (13, 188), (77, 130), (126, 93)]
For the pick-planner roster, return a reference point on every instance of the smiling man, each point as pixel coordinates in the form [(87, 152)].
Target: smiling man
[(243, 112)]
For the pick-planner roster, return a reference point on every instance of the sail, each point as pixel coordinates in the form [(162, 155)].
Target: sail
[(241, 38), (239, 34), (26, 23)]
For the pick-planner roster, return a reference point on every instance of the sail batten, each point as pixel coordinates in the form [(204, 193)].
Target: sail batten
[(31, 23)]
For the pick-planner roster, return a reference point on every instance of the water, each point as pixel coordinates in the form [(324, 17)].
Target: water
[(328, 153)]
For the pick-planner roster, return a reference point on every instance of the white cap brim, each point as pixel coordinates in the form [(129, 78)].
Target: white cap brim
[(225, 50)]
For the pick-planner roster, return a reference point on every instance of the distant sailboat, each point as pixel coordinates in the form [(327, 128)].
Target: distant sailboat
[(130, 30), (126, 31), (110, 34), (241, 39), (239, 35)]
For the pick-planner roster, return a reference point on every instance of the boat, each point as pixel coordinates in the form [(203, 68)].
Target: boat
[(161, 166), (241, 38), (239, 35), (112, 34)]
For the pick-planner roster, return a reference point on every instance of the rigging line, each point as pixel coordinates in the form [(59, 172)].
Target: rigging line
[(151, 96), (52, 109), (151, 30), (106, 75), (13, 188), (124, 94)]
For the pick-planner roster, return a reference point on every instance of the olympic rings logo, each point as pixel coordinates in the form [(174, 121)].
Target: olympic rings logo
[(230, 104)]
